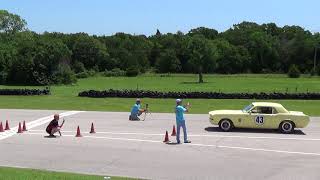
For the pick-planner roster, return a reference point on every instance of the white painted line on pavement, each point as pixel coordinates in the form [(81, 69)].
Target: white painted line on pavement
[(201, 145), (34, 124), (114, 133), (196, 135), (101, 137), (257, 149)]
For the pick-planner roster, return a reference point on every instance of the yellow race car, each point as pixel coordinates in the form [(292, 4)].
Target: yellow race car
[(264, 115)]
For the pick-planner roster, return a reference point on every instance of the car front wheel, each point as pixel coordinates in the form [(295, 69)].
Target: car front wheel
[(286, 127), (225, 125)]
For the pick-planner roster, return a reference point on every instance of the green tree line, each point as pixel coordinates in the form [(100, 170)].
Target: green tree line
[(27, 57)]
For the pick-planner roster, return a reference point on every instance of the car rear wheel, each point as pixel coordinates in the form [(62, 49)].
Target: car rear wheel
[(225, 125), (286, 127)]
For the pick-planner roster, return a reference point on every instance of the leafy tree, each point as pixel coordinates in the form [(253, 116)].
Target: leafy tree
[(8, 53), (231, 59), (239, 34), (154, 53), (264, 51), (271, 29), (205, 32), (202, 55), (11, 23), (168, 62), (27, 57), (127, 50), (297, 47), (48, 55), (91, 52), (37, 58), (21, 71)]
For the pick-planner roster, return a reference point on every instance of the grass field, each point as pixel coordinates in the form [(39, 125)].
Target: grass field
[(188, 82), (65, 97), (31, 174)]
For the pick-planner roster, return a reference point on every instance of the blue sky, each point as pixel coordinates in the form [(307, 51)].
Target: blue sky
[(145, 16)]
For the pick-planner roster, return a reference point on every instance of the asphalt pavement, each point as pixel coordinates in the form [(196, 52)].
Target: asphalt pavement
[(135, 148)]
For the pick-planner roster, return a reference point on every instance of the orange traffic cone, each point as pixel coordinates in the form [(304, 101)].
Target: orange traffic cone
[(1, 127), (174, 131), (19, 128), (92, 129), (7, 126), (24, 128), (78, 132), (166, 138)]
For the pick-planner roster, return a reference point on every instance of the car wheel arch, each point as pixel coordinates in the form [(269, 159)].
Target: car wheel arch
[(222, 119)]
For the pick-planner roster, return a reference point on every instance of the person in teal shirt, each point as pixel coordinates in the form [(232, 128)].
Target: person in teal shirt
[(180, 110), (136, 111)]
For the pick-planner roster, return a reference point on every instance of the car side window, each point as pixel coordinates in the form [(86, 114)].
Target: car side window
[(264, 110), (274, 111), (254, 110)]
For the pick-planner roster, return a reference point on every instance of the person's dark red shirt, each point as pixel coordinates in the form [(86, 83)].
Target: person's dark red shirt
[(53, 124)]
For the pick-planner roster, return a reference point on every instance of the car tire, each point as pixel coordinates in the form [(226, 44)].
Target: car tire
[(286, 127), (226, 125)]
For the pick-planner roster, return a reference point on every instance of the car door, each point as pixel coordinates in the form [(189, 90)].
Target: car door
[(244, 121), (262, 117)]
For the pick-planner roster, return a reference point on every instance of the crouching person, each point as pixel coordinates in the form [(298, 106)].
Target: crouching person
[(54, 126), (136, 111)]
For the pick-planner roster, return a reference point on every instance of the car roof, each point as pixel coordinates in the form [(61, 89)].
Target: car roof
[(267, 104)]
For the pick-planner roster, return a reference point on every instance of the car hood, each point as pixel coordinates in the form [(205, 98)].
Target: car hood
[(217, 112)]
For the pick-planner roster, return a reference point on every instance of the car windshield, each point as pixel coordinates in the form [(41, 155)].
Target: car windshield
[(247, 108)]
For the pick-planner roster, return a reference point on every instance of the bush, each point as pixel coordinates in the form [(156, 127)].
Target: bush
[(78, 67), (64, 75), (114, 73), (318, 71), (91, 73), (294, 71), (82, 75), (132, 72)]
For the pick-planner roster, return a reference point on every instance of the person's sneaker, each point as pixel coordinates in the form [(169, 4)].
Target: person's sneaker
[(178, 142), (187, 141)]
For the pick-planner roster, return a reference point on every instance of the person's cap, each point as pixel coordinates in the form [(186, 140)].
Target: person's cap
[(56, 115), (138, 100), (178, 100)]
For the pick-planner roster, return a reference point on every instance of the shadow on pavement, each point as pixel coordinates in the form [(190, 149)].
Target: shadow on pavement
[(248, 130), (172, 143), (51, 136)]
